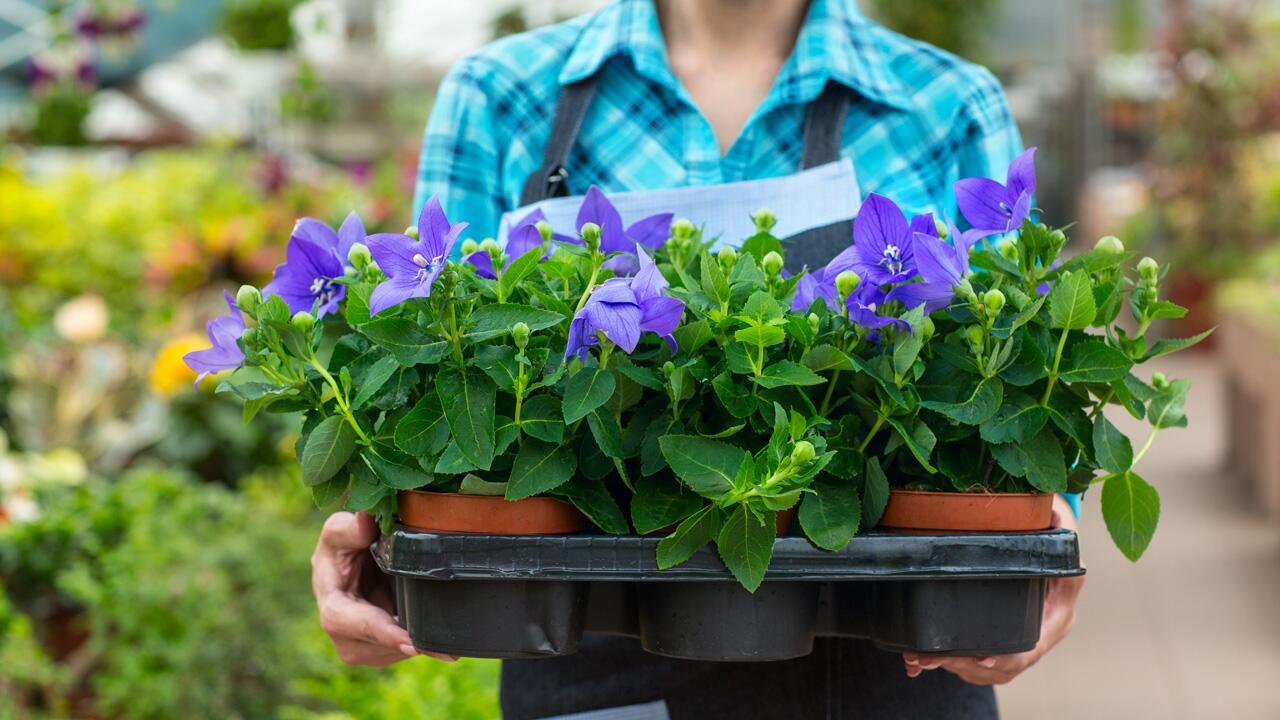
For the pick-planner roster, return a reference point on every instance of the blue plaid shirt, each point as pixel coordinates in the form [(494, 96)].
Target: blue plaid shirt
[(921, 120)]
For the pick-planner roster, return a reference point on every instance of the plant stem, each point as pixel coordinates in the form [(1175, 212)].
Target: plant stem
[(1053, 373), (455, 337), (826, 399), (340, 398), (874, 429), (595, 273)]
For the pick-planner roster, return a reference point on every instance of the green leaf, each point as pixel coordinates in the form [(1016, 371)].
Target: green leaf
[(1002, 331), (357, 304), (468, 399), (499, 363), (919, 440), (607, 433), (830, 514), (395, 469), (1068, 417), (1039, 460), (372, 377), (875, 494), (761, 244), (1018, 419), (298, 344), (646, 376), (453, 462), (496, 319), (745, 545), (424, 431), (587, 390), (326, 494), (538, 468), (760, 336), (1171, 345), (1093, 361), (906, 346), (786, 373), (660, 501), (592, 499), (405, 340), (1071, 303), (978, 407), (690, 337), (689, 537), (651, 459), (1166, 409), (541, 418), (519, 269), (327, 449), (1131, 510), (827, 357), (365, 491), (706, 466), (1113, 449), (476, 485), (739, 402)]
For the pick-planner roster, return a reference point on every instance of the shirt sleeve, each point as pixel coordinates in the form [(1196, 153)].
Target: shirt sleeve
[(987, 137), (460, 161)]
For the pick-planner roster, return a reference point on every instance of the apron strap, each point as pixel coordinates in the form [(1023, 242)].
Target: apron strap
[(571, 107), (823, 136)]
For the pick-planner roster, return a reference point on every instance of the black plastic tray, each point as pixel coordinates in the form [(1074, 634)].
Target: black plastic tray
[(533, 596)]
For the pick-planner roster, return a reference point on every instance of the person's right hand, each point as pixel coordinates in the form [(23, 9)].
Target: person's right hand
[(354, 596)]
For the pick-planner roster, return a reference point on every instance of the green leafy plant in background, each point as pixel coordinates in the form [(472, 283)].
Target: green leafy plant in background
[(259, 24), (958, 26)]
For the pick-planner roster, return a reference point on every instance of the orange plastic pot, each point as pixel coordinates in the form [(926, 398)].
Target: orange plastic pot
[(488, 515), (968, 512)]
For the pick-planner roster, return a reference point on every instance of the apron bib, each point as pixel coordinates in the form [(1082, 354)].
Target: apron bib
[(611, 678)]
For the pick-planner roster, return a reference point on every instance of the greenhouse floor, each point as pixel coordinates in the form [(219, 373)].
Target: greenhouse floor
[(1191, 631)]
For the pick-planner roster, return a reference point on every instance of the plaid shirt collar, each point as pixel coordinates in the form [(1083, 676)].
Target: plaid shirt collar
[(833, 44)]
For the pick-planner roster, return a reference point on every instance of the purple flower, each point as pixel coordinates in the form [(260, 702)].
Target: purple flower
[(942, 266), (811, 286), (864, 306), (307, 275), (412, 265), (625, 308), (881, 251), (350, 233), (225, 353), (650, 232), (996, 208)]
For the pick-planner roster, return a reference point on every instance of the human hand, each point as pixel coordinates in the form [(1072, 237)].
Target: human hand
[(354, 597), (1059, 615)]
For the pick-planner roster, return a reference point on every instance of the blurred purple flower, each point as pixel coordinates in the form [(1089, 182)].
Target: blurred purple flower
[(623, 309), (996, 208), (308, 273), (811, 286), (864, 306), (350, 233), (651, 232), (412, 265), (225, 353)]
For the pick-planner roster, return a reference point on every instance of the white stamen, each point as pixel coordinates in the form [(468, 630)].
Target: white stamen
[(419, 260)]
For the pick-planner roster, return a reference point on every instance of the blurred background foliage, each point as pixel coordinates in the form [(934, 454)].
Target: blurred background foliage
[(149, 539)]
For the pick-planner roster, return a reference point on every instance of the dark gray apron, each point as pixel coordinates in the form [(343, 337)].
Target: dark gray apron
[(843, 678)]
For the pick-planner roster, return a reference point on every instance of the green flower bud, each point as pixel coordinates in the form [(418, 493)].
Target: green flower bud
[(1109, 245), (520, 333), (494, 250), (350, 273), (847, 282), (1059, 237), (764, 219), (727, 257), (304, 321), (802, 452), (974, 335), (1149, 270), (772, 263), (813, 321), (927, 328), (683, 229), (941, 227), (544, 229), (668, 368), (249, 337), (412, 231), (993, 299), (247, 298), (965, 289), (590, 233), (469, 246), (1160, 381), (1008, 248), (359, 256)]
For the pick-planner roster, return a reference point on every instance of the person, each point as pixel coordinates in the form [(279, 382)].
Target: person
[(717, 96)]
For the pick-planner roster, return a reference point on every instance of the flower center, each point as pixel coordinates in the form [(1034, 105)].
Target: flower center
[(323, 288), (892, 260), (428, 267)]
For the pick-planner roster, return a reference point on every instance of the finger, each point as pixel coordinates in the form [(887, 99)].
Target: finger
[(348, 531), (355, 652), (410, 651), (345, 617)]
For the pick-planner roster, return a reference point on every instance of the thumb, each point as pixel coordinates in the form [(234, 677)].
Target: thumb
[(345, 531)]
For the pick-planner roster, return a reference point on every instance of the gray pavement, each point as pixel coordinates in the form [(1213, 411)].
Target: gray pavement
[(1193, 630)]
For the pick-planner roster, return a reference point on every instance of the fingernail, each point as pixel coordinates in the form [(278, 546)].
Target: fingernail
[(911, 661), (408, 650), (912, 672), (987, 662)]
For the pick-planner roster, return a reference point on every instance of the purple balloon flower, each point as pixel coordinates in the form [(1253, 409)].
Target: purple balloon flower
[(811, 286), (225, 353), (881, 252), (307, 275), (864, 306), (412, 265), (941, 265), (996, 208), (524, 236), (650, 232), (625, 308)]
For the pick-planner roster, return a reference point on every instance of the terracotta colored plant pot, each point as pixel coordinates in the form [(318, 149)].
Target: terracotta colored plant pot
[(968, 512), (489, 515)]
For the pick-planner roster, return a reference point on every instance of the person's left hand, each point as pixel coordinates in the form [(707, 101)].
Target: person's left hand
[(1059, 615)]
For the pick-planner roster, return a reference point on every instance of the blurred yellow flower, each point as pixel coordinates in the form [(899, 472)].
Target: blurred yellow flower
[(169, 373)]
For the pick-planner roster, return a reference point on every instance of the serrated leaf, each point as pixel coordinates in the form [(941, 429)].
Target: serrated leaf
[(745, 544), (606, 432), (1093, 361), (821, 358), (424, 431), (542, 418), (1019, 418), (468, 399), (372, 377), (690, 337), (875, 494), (830, 514), (538, 468), (1131, 510), (919, 439), (499, 363), (1039, 460), (357, 304), (660, 501), (592, 499), (394, 469), (689, 537), (706, 466), (1112, 448), (1166, 409), (327, 449), (404, 340), (476, 485), (498, 318), (786, 373), (978, 407), (1071, 302), (519, 269), (1171, 345), (587, 390)]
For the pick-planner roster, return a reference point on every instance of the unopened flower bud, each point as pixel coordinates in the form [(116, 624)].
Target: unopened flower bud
[(847, 282), (993, 299), (683, 229), (772, 263), (520, 333), (1149, 270), (965, 290), (304, 320), (1109, 245), (941, 227), (350, 273), (974, 335), (1008, 248), (590, 233), (249, 337), (247, 298), (544, 229), (1160, 381), (469, 246), (727, 257), (927, 329), (802, 452), (668, 368), (412, 231), (764, 219), (813, 321), (491, 246), (1059, 237)]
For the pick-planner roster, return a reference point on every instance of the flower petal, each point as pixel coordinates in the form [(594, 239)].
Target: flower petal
[(619, 321), (433, 229), (597, 209), (661, 315), (938, 262), (932, 295), (1022, 174), (622, 264), (982, 202), (315, 231), (651, 232), (394, 253), (483, 263), (351, 232), (880, 223), (522, 239), (923, 223), (390, 293), (648, 281)]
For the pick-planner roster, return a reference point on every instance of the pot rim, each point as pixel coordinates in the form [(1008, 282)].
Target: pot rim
[(957, 493)]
